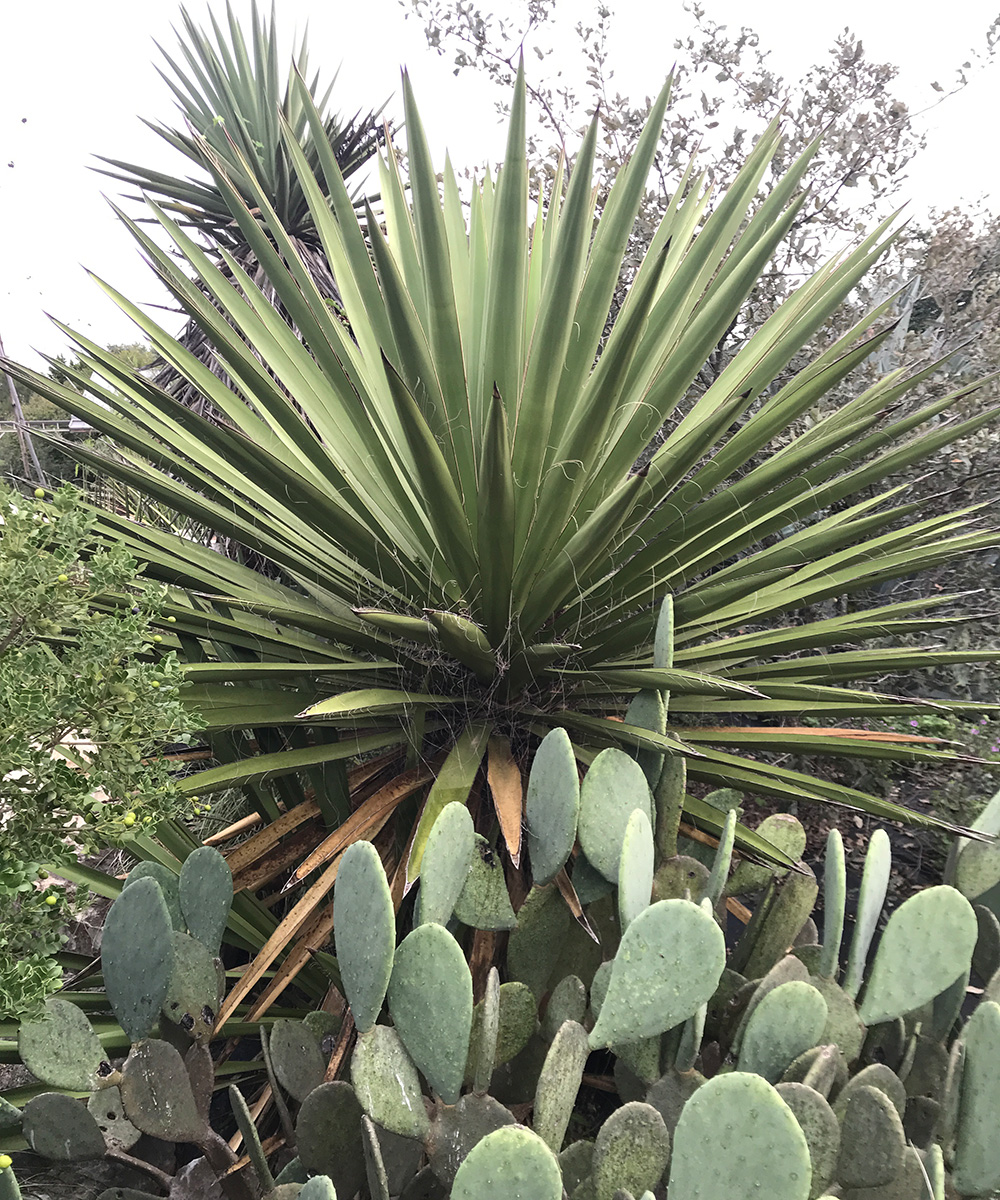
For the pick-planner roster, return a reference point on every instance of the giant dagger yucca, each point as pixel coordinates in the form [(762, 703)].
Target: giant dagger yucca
[(444, 477)]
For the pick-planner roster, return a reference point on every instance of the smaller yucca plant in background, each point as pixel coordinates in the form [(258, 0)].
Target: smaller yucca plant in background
[(445, 482), (232, 99)]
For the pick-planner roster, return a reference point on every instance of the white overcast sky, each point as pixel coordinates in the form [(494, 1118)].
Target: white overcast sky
[(76, 76)]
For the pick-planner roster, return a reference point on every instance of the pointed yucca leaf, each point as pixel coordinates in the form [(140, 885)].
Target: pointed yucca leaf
[(444, 504), (452, 786), (269, 766), (712, 820), (499, 364), (846, 742), (373, 700), (496, 525), (556, 583), (399, 625), (465, 640), (863, 664), (614, 732), (674, 680), (531, 429), (442, 330), (283, 672)]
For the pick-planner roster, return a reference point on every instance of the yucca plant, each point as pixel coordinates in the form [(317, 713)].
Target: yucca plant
[(234, 97), (445, 480)]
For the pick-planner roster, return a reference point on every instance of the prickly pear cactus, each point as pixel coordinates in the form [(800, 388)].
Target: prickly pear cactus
[(509, 1164)]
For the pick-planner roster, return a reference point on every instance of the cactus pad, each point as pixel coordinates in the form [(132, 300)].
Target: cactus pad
[(926, 945), (787, 1022), (977, 1148), (106, 1108), (559, 1083), (445, 864), (137, 956), (296, 1057), (365, 931), (819, 1123), (457, 1130), (668, 964), (635, 868), (206, 894), (430, 998), (781, 830), (568, 1002), (543, 921), (871, 1140), (61, 1048), (169, 886), (328, 1134), (738, 1140), (193, 998), (510, 1164), (320, 1187), (58, 1127), (552, 806), (631, 1151), (156, 1093), (484, 902), (613, 788), (386, 1082)]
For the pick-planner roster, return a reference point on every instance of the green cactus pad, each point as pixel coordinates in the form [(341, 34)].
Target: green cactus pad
[(206, 893), (671, 1092), (885, 1043), (518, 1021), (552, 806), (871, 1140), (787, 1022), (951, 1098), (386, 1083), (510, 1164), (648, 710), (430, 998), (668, 964), (771, 937), (60, 1128), (921, 1120), (200, 1068), (738, 1140), (445, 864), (559, 1083), (298, 1061), (976, 1169), (107, 1110), (928, 1070), (320, 1187), (378, 1180), (681, 877), (485, 1032), (61, 1048), (156, 1093), (457, 1130), (927, 944), (879, 1076), (784, 971), (575, 1163), (137, 956), (986, 956), (819, 1123), (365, 931), (823, 1068), (631, 1151), (834, 901), (588, 882), (10, 1116), (193, 998), (723, 859), (251, 1138), (484, 902), (642, 1057), (169, 886), (568, 1002), (613, 788), (874, 882), (401, 1157), (328, 1135), (635, 868), (543, 921), (10, 1190), (844, 1027), (117, 1193), (977, 868), (781, 830)]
